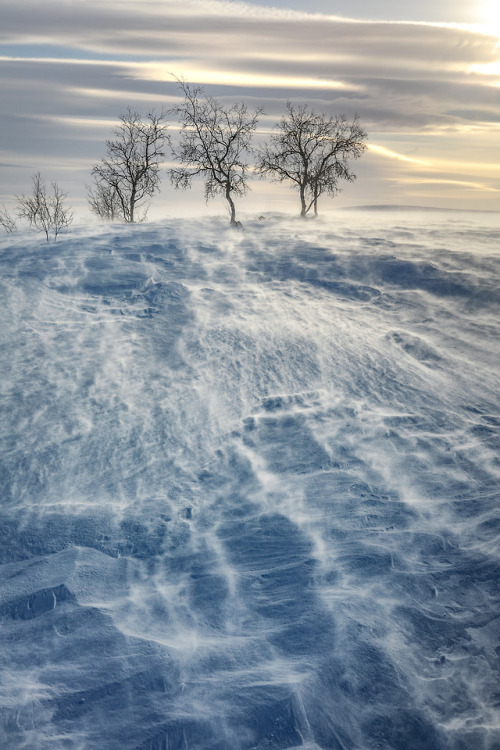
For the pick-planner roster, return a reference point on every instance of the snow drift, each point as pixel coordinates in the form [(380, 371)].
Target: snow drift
[(250, 486)]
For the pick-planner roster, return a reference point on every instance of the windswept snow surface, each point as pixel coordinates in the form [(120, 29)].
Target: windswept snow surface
[(250, 486)]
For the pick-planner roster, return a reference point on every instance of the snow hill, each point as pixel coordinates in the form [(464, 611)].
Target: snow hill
[(250, 486)]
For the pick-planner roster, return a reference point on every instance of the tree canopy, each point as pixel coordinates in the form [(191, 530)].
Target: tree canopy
[(312, 151), (214, 144), (130, 172)]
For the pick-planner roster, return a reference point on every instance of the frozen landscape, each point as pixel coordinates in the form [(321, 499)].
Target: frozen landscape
[(250, 485)]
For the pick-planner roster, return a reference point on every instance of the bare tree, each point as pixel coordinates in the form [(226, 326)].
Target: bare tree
[(44, 211), (130, 172), (214, 144), (6, 220), (104, 201), (312, 151)]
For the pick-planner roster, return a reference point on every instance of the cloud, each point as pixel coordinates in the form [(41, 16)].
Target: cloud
[(393, 155), (241, 45), (461, 183)]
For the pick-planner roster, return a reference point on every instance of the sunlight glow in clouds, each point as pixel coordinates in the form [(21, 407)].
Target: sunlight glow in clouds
[(460, 183), (490, 69), (393, 155), (237, 78), (489, 13)]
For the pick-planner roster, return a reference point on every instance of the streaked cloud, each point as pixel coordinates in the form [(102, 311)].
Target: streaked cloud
[(393, 155), (460, 183)]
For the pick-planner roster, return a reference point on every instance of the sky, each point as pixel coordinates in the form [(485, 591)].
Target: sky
[(424, 79)]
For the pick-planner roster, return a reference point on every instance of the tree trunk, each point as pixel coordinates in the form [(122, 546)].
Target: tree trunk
[(316, 194), (231, 206), (303, 211), (131, 207)]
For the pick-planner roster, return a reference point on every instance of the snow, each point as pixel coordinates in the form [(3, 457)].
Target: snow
[(250, 485)]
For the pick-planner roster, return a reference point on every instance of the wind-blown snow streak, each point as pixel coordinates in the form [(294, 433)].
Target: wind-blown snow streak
[(250, 487)]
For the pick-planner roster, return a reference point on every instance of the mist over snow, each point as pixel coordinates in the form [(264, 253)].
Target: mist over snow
[(250, 485)]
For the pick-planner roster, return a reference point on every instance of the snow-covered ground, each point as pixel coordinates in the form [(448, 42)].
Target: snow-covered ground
[(250, 485)]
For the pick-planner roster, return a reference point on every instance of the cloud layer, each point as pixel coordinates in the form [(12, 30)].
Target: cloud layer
[(427, 94)]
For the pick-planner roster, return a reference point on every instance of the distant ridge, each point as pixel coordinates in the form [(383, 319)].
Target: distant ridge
[(389, 207)]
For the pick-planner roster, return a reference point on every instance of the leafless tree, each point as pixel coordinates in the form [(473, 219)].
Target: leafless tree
[(312, 151), (104, 201), (214, 144), (45, 211), (130, 172), (6, 220)]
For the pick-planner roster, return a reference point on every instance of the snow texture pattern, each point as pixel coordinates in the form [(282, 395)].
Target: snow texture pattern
[(250, 486)]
